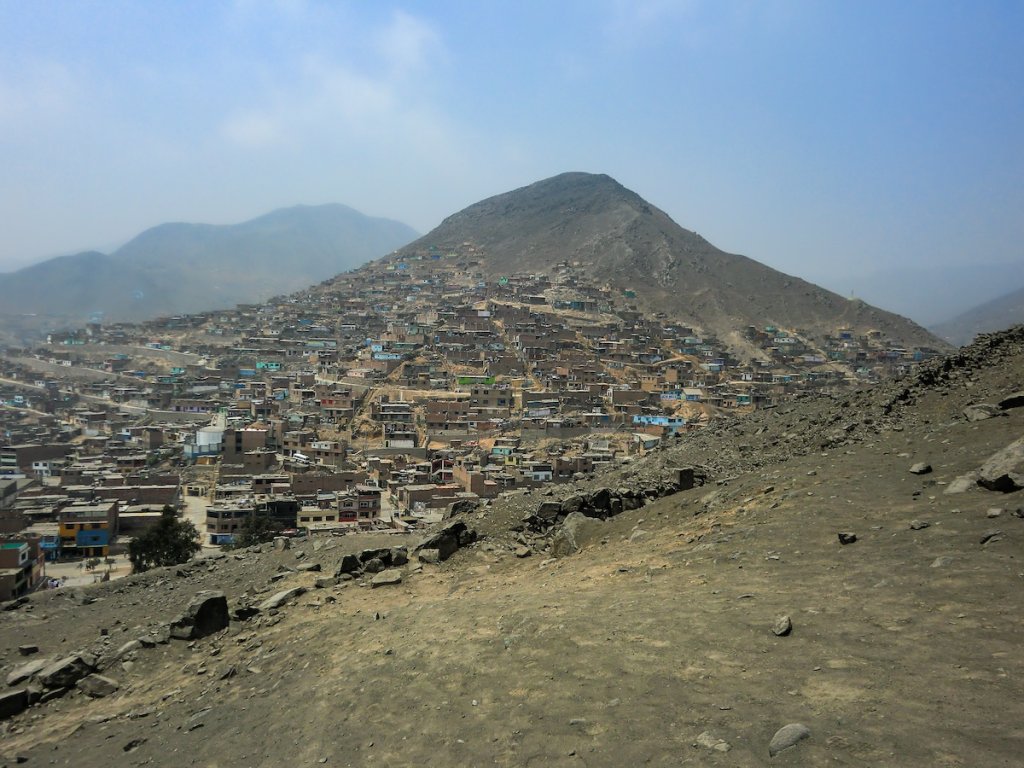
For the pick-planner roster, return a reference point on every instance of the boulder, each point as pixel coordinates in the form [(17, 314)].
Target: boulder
[(462, 507), (348, 564), (1004, 470), (447, 539), (574, 503), (13, 703), (788, 736), (205, 615), (386, 578), (98, 686), (981, 411), (281, 598), (847, 537), (399, 556), (921, 468), (65, 672), (1016, 400), (576, 532), (27, 671), (549, 510), (429, 555), (374, 565)]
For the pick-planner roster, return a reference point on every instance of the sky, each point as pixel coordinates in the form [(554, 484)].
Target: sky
[(831, 140)]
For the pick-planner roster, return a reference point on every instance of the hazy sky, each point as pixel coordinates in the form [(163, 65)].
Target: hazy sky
[(821, 138)]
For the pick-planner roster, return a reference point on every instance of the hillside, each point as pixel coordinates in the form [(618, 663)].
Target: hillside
[(630, 244), (181, 268), (688, 631), (991, 316)]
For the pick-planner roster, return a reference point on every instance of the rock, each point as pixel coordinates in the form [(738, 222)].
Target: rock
[(282, 543), (65, 672), (399, 556), (447, 539), (348, 564), (130, 647), (782, 626), (993, 512), (921, 468), (549, 510), (374, 565), (281, 598), (788, 736), (576, 532), (710, 741), (28, 650), (308, 567), (429, 556), (638, 535), (1016, 400), (942, 562), (991, 536), (523, 551), (98, 686), (324, 582), (206, 614), (13, 703), (846, 537), (981, 411), (962, 484), (919, 525), (386, 578), (1004, 470), (462, 507), (27, 671)]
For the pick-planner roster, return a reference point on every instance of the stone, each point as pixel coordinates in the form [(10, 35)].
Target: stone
[(523, 551), (429, 556), (942, 561), (788, 736), (1004, 470), (281, 598), (282, 543), (993, 512), (65, 672), (1016, 400), (447, 539), (991, 536), (27, 671), (13, 703), (324, 582), (710, 741), (549, 510), (919, 525), (576, 532), (399, 556), (206, 614), (846, 537), (28, 650), (308, 567), (981, 411), (97, 686), (462, 507), (348, 564), (130, 647), (374, 565), (386, 578), (921, 468), (962, 484), (782, 626)]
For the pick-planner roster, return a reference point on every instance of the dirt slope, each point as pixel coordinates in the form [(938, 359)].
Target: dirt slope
[(650, 646)]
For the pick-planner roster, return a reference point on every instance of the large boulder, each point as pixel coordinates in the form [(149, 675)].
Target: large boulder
[(206, 614), (576, 532), (64, 673), (13, 703), (447, 539), (348, 564), (98, 686), (1004, 471), (27, 671), (462, 507)]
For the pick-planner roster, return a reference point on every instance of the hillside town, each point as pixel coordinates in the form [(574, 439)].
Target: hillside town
[(378, 400)]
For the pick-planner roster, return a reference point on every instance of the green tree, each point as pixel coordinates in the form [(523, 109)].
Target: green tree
[(170, 542), (255, 530)]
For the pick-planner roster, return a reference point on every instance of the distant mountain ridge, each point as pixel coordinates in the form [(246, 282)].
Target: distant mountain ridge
[(995, 315), (179, 268), (630, 244)]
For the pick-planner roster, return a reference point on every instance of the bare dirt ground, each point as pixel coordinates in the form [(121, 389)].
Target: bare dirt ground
[(649, 647)]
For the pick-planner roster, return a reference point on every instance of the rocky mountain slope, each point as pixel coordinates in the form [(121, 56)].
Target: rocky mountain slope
[(991, 316), (180, 268), (630, 244), (722, 624)]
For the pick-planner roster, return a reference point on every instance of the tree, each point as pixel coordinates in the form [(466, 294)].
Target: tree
[(255, 530), (170, 542)]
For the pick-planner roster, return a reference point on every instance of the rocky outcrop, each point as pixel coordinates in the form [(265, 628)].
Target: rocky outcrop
[(448, 539), (1004, 471)]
